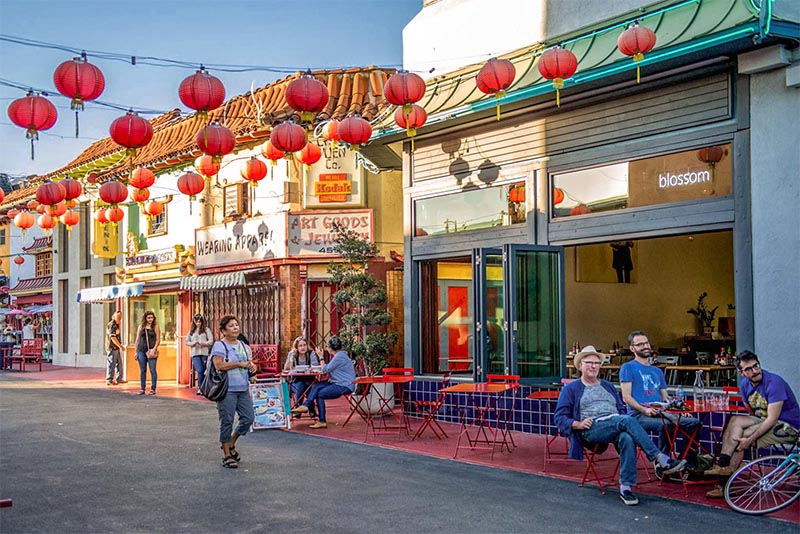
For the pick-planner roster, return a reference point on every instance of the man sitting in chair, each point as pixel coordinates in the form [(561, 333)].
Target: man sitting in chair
[(643, 384), (774, 417), (589, 411)]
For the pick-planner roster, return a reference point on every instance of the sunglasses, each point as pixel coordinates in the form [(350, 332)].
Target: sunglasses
[(198, 317)]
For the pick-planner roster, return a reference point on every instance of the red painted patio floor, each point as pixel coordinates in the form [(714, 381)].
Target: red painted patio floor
[(527, 457)]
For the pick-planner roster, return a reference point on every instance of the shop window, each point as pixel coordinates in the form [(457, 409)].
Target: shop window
[(164, 306), (157, 225), (236, 201), (689, 175), (44, 264), (2, 236), (489, 207)]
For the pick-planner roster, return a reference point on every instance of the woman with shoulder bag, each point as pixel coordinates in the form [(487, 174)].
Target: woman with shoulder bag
[(199, 340), (148, 338), (232, 356)]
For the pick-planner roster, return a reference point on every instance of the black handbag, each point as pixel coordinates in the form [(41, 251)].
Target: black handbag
[(215, 385)]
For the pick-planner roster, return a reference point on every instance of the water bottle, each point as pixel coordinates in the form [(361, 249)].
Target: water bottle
[(680, 398), (699, 389)]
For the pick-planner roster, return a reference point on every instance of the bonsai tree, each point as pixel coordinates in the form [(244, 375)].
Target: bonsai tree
[(702, 312), (363, 299)]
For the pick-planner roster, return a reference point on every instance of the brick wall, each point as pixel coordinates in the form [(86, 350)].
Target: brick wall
[(394, 292)]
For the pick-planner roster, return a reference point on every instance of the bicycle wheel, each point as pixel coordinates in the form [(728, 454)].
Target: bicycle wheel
[(764, 485)]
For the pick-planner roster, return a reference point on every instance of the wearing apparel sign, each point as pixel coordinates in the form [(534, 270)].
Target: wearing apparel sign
[(241, 242)]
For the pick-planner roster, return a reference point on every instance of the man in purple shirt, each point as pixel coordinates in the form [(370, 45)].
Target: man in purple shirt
[(774, 417)]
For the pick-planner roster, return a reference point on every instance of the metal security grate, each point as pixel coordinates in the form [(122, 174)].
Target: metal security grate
[(256, 306)]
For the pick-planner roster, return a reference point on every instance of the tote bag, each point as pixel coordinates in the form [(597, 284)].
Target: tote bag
[(215, 385)]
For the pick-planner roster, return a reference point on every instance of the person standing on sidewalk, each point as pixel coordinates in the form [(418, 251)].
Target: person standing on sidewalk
[(148, 337), (115, 349), (199, 340)]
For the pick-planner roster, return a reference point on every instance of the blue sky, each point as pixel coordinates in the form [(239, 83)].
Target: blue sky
[(283, 33)]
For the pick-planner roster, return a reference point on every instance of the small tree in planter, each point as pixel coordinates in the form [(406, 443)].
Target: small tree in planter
[(363, 298)]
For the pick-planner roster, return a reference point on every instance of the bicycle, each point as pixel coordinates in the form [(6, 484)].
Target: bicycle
[(764, 485)]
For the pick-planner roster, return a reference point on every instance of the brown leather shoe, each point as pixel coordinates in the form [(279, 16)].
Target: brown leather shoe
[(300, 409), (318, 425), (715, 493), (718, 471)]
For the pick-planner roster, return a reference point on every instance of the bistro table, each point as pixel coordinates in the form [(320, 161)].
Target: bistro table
[(704, 412), (360, 405), (315, 376), (483, 398)]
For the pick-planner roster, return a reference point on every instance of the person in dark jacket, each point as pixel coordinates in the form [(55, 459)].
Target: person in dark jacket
[(589, 411)]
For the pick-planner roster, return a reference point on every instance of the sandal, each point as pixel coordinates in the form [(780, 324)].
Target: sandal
[(233, 454), (141, 392), (229, 462)]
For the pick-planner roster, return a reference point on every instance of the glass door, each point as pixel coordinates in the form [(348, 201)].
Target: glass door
[(490, 325), (535, 311)]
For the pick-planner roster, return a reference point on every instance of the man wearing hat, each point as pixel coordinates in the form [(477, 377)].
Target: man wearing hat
[(589, 410), (643, 384)]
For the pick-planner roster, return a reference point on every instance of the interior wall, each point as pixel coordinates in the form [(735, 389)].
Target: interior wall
[(672, 272)]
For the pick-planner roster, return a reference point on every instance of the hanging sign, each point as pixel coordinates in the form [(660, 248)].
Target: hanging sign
[(311, 232), (335, 181), (106, 240)]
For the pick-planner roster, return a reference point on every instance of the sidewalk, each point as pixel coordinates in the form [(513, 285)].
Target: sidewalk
[(527, 457)]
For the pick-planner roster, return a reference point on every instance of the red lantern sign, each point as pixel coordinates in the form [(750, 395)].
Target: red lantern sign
[(330, 132), (636, 41), (307, 95), (142, 177), (288, 137), (403, 89), (131, 131), (558, 65), (207, 166), (140, 195), (271, 153), (19, 260), (309, 155), (355, 131), (70, 219), (202, 92), (253, 170), (412, 120), (495, 77), (558, 196), (215, 140), (113, 193), (154, 208), (34, 113), (79, 80)]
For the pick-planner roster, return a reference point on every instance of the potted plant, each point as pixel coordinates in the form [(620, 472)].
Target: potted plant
[(703, 313)]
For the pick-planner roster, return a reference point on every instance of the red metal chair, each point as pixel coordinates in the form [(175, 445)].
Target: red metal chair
[(591, 451), (266, 357), (428, 409), (548, 398)]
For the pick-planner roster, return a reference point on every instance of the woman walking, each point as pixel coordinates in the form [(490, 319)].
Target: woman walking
[(199, 340), (232, 356), (148, 338)]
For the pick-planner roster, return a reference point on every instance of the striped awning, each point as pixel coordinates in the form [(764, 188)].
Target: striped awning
[(109, 293), (205, 282)]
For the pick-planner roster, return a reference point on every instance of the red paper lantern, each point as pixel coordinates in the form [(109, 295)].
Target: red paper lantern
[(636, 41), (271, 153), (202, 92), (215, 140), (355, 131), (253, 170), (2, 195), (131, 131), (154, 208), (31, 205), (72, 188), (19, 260), (412, 120), (79, 80), (558, 196), (23, 220), (40, 208), (139, 195), (307, 95), (330, 132), (310, 154), (56, 210), (403, 89), (711, 155), (100, 216), (207, 166), (517, 194), (114, 215), (580, 209), (70, 219), (50, 193), (495, 77), (46, 222), (142, 177), (558, 65), (288, 137), (113, 193), (191, 184), (91, 178), (34, 113)]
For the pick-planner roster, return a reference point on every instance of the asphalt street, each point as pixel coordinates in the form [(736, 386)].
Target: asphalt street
[(82, 460)]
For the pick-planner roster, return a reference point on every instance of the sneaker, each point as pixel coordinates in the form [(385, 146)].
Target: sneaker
[(658, 470), (628, 498), (199, 392), (718, 471), (715, 493), (318, 425), (674, 466)]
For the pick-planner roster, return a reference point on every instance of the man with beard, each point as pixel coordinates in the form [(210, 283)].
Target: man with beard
[(774, 417), (643, 384)]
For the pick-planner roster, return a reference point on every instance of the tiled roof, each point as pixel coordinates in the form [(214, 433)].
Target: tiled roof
[(40, 284), (18, 196), (250, 117), (40, 243)]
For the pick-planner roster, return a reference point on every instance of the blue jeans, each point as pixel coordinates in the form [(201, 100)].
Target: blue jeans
[(144, 363), (114, 370), (656, 424), (235, 402), (322, 391), (626, 432), (199, 364)]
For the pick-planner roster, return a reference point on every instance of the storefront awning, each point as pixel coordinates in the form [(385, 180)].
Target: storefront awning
[(204, 282), (109, 293)]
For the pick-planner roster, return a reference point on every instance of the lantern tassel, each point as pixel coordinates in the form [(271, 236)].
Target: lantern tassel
[(558, 83), (497, 96), (76, 124), (32, 149)]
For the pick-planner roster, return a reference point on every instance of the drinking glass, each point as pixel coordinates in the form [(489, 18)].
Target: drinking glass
[(710, 399)]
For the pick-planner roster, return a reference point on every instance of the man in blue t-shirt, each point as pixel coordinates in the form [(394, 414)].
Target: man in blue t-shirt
[(643, 384), (774, 417)]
